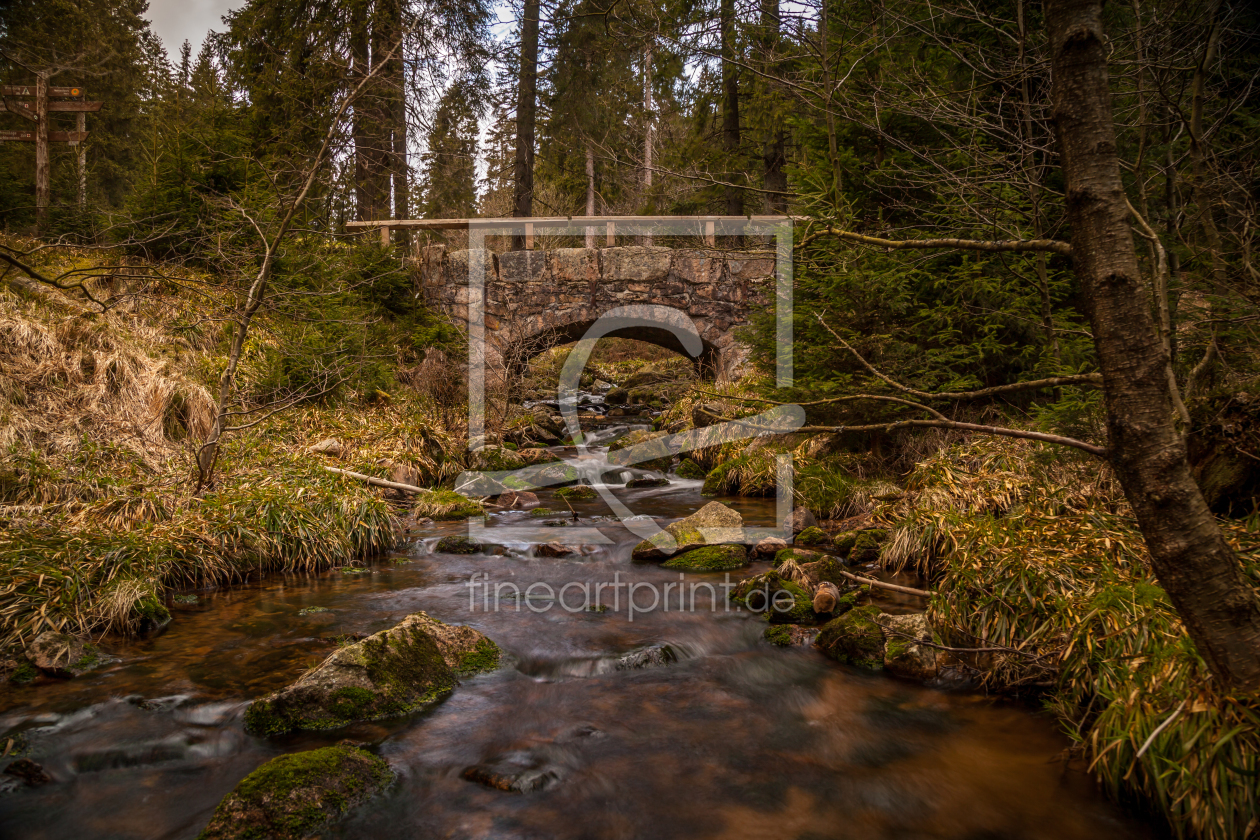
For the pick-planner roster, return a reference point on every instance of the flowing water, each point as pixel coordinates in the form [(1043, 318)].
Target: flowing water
[(733, 739)]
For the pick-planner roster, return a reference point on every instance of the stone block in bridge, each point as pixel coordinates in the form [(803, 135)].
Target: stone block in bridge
[(539, 299)]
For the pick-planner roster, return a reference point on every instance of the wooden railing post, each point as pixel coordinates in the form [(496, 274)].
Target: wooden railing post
[(384, 236)]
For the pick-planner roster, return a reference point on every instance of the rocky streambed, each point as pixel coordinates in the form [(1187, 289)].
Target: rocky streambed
[(546, 676)]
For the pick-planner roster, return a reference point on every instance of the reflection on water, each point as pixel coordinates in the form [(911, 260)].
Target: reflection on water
[(734, 739)]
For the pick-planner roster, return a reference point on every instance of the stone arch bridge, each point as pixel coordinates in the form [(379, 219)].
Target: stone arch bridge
[(539, 299)]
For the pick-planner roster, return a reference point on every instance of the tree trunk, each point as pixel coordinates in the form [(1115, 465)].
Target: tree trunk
[(1194, 564), (773, 155), (730, 109), (590, 192), (526, 102)]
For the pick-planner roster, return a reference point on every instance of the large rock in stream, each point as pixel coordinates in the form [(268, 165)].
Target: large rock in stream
[(713, 524), (293, 796), (391, 673)]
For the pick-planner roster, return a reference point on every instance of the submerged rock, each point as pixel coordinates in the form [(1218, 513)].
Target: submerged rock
[(653, 656), (581, 492), (713, 524), (62, 655), (553, 549), (714, 558), (458, 545), (293, 796), (519, 771), (28, 772), (646, 481), (854, 638), (387, 674)]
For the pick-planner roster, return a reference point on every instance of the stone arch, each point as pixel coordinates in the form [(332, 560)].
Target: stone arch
[(532, 295)]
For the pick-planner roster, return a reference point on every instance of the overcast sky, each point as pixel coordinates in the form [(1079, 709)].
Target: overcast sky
[(178, 20)]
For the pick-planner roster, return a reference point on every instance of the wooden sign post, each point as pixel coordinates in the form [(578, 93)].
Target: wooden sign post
[(37, 113)]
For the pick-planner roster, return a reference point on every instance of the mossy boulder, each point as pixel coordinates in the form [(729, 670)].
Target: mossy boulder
[(496, 458), (782, 600), (904, 652), (650, 451), (542, 512), (617, 396), (826, 569), (788, 635), (458, 545), (866, 546), (580, 492), (644, 376), (854, 638), (445, 505), (845, 541), (689, 469), (293, 796), (800, 555), (713, 524), (714, 558), (813, 535), (391, 673), (63, 655), (465, 650)]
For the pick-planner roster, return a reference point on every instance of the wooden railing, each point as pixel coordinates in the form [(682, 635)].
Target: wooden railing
[(609, 223)]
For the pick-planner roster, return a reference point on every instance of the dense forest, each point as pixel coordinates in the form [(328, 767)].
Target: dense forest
[(1026, 345)]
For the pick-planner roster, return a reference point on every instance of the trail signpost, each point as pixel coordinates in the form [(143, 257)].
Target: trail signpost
[(34, 103)]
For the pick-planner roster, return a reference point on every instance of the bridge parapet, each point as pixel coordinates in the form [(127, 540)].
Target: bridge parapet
[(540, 298)]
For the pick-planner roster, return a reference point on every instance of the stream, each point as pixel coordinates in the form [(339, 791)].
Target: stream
[(734, 738)]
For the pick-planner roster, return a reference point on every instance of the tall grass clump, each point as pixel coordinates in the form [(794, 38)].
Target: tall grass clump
[(1037, 555)]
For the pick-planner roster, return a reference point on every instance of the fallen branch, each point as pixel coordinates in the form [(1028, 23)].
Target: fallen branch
[(379, 482), (1001, 245), (908, 590)]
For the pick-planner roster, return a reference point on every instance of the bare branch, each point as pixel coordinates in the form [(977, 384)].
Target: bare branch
[(1043, 245)]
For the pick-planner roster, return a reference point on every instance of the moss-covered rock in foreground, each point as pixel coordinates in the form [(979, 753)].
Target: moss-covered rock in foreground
[(446, 504), (390, 673), (291, 797), (581, 492), (714, 558), (854, 638), (784, 601)]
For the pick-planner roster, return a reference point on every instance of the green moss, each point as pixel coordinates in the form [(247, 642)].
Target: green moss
[(186, 599), (313, 610), (779, 634), (759, 593), (580, 492), (799, 555), (292, 796), (813, 536), (484, 657), (691, 470), (442, 505), (458, 545), (827, 569), (845, 542), (90, 659), (854, 638), (24, 674), (405, 676), (654, 455), (152, 611), (866, 546), (714, 558)]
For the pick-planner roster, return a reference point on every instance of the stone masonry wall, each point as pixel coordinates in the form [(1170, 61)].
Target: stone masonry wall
[(558, 293)]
